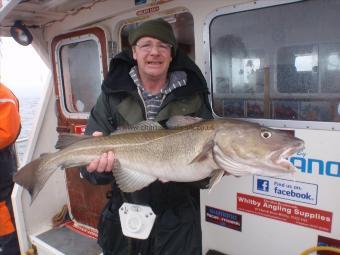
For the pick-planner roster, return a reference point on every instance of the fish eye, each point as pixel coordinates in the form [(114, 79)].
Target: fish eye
[(266, 134)]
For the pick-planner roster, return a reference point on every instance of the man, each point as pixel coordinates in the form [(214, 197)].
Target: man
[(9, 131), (153, 82)]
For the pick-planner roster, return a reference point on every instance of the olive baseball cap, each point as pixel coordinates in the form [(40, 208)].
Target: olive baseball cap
[(156, 28)]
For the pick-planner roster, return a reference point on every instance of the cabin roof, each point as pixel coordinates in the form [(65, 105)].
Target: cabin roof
[(39, 13)]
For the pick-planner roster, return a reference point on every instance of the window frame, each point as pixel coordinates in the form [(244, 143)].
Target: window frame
[(96, 34)]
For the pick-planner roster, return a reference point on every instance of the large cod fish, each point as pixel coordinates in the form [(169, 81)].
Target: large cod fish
[(183, 153)]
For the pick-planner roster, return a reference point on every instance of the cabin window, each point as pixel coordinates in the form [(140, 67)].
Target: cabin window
[(277, 62), (183, 26), (80, 66)]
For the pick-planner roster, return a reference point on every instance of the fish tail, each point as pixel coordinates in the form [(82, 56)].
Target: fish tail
[(35, 174)]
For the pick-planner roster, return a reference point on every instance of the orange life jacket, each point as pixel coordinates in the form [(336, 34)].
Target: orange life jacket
[(6, 223), (9, 117)]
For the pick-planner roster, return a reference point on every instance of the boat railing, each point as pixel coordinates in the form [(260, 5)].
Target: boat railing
[(22, 140)]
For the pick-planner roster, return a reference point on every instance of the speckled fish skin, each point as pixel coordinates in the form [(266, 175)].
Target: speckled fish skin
[(184, 154)]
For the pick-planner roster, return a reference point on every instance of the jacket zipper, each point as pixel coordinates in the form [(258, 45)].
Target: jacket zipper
[(141, 98)]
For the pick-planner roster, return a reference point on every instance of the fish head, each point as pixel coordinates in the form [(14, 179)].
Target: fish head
[(243, 148)]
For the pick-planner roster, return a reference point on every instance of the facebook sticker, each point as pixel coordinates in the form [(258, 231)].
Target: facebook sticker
[(263, 185), (286, 189)]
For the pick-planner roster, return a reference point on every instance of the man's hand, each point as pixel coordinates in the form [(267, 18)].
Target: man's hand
[(104, 163)]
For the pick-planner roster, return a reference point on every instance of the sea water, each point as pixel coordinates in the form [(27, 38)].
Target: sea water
[(28, 109)]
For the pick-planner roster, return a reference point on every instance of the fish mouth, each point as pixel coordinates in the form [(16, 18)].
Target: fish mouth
[(280, 158), (274, 164)]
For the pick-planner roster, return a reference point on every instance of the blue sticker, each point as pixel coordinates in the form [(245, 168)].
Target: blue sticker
[(223, 218)]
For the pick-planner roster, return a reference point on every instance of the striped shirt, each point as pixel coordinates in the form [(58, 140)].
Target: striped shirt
[(153, 102)]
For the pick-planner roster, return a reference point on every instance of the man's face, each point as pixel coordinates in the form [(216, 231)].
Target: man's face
[(153, 58)]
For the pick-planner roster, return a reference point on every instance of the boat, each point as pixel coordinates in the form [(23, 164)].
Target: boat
[(274, 62)]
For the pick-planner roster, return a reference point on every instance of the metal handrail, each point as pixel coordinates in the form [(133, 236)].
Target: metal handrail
[(21, 140)]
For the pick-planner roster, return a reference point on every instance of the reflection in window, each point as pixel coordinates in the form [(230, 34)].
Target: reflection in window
[(330, 71), (316, 110), (333, 62), (285, 109), (297, 69), (235, 68), (304, 63), (244, 72), (250, 66), (233, 108), (288, 68), (80, 64)]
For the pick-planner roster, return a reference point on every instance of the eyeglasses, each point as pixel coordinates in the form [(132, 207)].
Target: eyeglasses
[(147, 47)]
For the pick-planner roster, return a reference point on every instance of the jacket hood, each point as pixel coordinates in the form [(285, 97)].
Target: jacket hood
[(119, 80)]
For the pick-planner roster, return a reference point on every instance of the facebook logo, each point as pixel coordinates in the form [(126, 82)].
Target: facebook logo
[(263, 185)]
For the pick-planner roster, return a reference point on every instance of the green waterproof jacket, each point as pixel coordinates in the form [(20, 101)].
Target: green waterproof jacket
[(177, 229)]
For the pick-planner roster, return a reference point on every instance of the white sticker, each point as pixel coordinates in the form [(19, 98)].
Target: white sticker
[(286, 189)]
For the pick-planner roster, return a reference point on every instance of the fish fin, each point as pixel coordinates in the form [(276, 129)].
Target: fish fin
[(116, 165), (66, 139), (216, 176), (34, 175), (147, 125), (182, 121), (130, 181), (204, 153)]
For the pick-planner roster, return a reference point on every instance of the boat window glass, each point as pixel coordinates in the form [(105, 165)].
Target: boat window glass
[(81, 75), (183, 26), (277, 62)]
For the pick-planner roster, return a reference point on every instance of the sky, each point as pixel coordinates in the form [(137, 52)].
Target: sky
[(21, 69)]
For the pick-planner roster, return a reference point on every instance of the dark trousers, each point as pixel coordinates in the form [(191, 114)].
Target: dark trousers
[(8, 237)]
